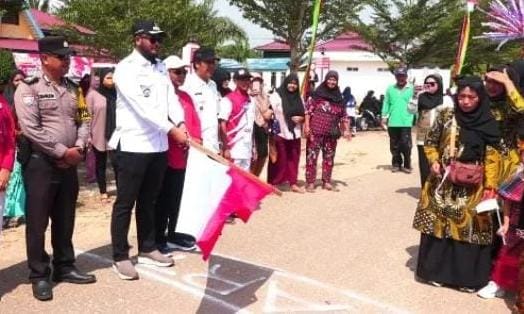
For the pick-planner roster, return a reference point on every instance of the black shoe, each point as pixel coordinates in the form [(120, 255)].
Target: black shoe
[(42, 290), (73, 276), (395, 169)]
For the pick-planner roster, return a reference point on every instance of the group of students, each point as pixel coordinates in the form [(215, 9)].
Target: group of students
[(471, 152)]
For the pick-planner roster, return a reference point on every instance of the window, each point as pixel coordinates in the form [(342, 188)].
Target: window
[(352, 69), (383, 69), (10, 17)]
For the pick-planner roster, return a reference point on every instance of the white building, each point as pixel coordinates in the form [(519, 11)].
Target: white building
[(352, 58)]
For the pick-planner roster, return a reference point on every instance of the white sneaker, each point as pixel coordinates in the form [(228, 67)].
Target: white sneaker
[(490, 291), (434, 283), (155, 258)]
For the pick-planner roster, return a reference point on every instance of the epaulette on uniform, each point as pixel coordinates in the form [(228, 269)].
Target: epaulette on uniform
[(30, 80), (71, 82)]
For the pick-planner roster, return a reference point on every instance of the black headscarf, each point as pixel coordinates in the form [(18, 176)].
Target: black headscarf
[(219, 77), (428, 101), (292, 104), (110, 95), (346, 94), (9, 92), (513, 75), (518, 66), (333, 95), (477, 128)]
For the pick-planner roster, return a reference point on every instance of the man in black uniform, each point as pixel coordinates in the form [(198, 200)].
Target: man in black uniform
[(49, 109)]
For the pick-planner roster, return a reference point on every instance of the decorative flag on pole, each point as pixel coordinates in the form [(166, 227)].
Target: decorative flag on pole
[(463, 40), (314, 28), (506, 21), (213, 191)]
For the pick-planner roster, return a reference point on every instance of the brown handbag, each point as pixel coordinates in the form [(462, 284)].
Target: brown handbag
[(463, 174)]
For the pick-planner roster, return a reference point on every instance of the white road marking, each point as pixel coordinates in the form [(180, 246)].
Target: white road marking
[(273, 293), (197, 293)]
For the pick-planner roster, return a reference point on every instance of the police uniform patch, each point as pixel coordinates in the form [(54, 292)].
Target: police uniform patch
[(28, 99), (46, 96)]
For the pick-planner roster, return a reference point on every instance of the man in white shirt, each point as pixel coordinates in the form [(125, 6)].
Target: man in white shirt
[(205, 95), (147, 112), (237, 116)]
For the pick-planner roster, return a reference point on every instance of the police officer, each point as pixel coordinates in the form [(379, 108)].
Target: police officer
[(56, 133)]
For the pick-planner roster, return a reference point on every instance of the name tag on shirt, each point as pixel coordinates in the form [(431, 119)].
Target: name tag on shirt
[(46, 96)]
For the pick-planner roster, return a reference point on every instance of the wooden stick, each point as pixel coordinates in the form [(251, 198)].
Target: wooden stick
[(228, 163)]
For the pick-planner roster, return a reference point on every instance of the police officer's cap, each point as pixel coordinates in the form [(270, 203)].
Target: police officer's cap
[(205, 54), (147, 27), (56, 45)]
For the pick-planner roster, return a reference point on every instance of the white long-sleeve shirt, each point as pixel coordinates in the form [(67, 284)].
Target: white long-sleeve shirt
[(146, 106), (206, 99)]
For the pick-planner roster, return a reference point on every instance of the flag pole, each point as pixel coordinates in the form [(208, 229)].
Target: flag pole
[(228, 163), (316, 15), (463, 40)]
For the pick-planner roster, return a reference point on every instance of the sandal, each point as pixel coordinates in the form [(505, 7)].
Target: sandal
[(329, 187), (310, 188), (105, 198), (296, 189)]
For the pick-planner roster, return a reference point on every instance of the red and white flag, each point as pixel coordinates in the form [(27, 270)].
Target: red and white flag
[(212, 192)]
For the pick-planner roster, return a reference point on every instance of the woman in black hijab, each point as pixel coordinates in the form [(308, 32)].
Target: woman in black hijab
[(286, 131), (221, 77), (430, 98), (456, 241), (326, 122)]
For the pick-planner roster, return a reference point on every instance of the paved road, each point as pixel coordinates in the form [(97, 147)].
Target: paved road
[(348, 252)]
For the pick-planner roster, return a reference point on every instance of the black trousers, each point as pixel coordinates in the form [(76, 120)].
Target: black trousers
[(168, 205), (140, 177), (400, 146), (423, 165), (51, 194), (101, 167)]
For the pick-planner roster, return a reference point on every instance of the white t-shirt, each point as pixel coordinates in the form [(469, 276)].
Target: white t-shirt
[(205, 97), (240, 136)]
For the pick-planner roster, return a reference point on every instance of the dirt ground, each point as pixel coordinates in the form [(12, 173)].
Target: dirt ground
[(352, 251)]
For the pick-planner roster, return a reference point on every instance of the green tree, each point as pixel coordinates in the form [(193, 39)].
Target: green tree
[(290, 20), (7, 65), (42, 5), (181, 19), (425, 32), (239, 51)]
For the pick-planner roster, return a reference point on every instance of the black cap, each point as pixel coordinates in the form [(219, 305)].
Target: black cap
[(242, 73), (146, 27), (54, 45), (205, 54), (401, 71)]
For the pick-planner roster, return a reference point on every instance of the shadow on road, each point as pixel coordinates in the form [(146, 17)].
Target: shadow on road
[(233, 282), (413, 257), (17, 274), (413, 192)]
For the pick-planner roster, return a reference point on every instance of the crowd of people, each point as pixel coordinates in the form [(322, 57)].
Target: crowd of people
[(143, 115)]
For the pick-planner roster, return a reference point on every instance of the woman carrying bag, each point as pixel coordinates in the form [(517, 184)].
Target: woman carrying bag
[(456, 241), (326, 122)]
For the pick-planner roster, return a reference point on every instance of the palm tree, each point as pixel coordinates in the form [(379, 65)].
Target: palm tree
[(42, 5)]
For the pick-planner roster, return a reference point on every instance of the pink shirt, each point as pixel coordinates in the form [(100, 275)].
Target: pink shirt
[(177, 153), (7, 136), (96, 104)]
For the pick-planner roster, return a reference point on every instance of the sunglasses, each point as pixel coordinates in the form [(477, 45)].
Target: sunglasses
[(178, 71), (153, 40)]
